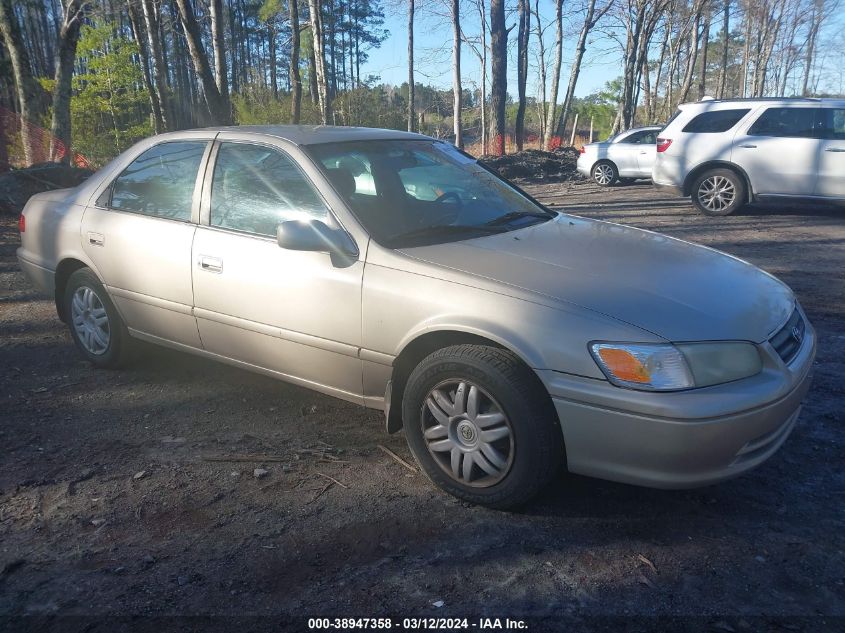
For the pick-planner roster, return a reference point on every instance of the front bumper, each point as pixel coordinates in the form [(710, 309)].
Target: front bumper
[(682, 439)]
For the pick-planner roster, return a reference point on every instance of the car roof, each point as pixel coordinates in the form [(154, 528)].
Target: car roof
[(317, 134), (772, 100)]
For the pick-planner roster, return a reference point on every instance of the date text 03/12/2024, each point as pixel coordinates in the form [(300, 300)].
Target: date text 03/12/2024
[(415, 624)]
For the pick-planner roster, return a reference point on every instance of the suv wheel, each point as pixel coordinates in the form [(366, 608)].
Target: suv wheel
[(718, 192), (604, 173), (95, 325), (481, 426)]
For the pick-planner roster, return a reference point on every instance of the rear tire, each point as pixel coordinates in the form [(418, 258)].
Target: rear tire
[(95, 326), (604, 173), (719, 192), (481, 426)]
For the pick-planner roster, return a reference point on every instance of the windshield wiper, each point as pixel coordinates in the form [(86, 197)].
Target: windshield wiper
[(516, 215), (446, 230)]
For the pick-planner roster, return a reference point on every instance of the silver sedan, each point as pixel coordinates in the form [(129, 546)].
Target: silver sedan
[(622, 158), (392, 270)]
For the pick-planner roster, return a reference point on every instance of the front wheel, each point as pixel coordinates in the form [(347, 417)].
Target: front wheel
[(95, 325), (718, 192), (481, 426)]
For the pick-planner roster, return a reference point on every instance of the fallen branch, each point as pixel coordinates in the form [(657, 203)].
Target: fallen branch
[(397, 458), (244, 458), (334, 480)]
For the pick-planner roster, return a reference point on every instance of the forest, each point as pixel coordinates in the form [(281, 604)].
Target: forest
[(81, 80)]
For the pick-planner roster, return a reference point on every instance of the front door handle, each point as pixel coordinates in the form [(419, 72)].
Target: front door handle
[(749, 146), (835, 149), (211, 264), (97, 239)]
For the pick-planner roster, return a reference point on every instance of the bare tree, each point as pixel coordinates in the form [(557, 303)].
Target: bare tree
[(551, 110), (726, 32), (29, 94), (295, 78), (591, 18), (74, 13), (323, 94), (138, 32), (217, 106), (215, 8), (411, 108), (498, 74), (457, 90), (158, 69), (522, 41)]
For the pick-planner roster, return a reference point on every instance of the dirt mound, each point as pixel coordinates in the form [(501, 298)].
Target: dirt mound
[(18, 185), (535, 165)]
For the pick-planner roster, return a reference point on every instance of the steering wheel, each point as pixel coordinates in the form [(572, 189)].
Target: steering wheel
[(449, 195)]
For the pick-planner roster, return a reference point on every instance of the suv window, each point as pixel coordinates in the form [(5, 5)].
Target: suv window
[(160, 182), (833, 124), (789, 122), (715, 121), (255, 188)]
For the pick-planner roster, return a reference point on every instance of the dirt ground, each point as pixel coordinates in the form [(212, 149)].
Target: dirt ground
[(120, 496)]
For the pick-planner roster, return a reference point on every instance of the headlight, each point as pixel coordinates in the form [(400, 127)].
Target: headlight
[(664, 367)]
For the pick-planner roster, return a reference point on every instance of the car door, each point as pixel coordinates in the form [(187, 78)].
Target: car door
[(623, 153), (831, 182), (295, 314), (138, 234), (647, 152), (779, 150)]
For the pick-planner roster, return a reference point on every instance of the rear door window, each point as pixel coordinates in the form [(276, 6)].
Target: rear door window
[(786, 122), (715, 121), (833, 124), (160, 182), (643, 137)]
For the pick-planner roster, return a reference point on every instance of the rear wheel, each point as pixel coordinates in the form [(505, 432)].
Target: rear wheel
[(718, 192), (481, 426), (95, 325), (604, 173)]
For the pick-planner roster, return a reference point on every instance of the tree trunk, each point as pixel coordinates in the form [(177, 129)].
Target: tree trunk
[(692, 57), (482, 15), (141, 39), (295, 79), (522, 40), (28, 90), (411, 106), (323, 96), (217, 107), (312, 75), (271, 42), (215, 8), (815, 24), (552, 109), (702, 70), (726, 26), (499, 74), (65, 58), (456, 73)]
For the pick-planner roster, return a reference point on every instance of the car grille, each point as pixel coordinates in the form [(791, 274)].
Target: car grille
[(787, 341)]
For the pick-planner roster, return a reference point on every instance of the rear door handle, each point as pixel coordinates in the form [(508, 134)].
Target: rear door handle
[(835, 149), (97, 239), (749, 146), (211, 264)]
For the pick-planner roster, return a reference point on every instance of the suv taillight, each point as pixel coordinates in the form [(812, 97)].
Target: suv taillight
[(583, 150), (22, 223), (663, 144)]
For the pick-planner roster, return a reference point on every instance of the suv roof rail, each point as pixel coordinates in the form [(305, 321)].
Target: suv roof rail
[(711, 100)]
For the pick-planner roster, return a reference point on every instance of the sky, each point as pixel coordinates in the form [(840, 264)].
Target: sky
[(433, 54)]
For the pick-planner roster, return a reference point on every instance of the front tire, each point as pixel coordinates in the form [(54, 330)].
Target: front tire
[(481, 426), (604, 173), (719, 192), (95, 326)]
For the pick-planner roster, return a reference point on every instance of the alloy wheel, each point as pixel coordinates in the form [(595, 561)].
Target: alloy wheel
[(716, 193), (90, 320), (603, 174), (467, 433)]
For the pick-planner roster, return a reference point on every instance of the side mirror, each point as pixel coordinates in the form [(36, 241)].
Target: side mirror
[(314, 235)]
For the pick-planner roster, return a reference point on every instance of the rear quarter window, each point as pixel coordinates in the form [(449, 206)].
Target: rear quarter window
[(715, 121)]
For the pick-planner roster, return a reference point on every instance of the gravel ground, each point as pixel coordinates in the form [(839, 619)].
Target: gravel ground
[(120, 493)]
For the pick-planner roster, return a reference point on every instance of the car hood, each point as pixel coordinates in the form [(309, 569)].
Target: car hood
[(676, 290)]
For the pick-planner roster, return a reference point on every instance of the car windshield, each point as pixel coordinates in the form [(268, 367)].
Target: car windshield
[(416, 192)]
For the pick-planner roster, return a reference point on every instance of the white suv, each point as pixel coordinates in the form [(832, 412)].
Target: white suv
[(725, 154)]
